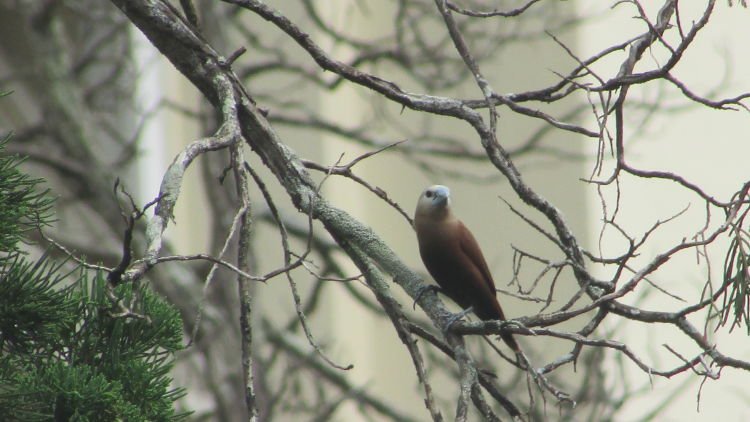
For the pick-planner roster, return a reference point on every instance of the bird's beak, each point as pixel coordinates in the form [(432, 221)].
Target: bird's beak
[(442, 194)]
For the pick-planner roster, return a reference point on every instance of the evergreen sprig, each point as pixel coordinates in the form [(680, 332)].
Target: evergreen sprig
[(736, 307), (23, 206), (66, 350)]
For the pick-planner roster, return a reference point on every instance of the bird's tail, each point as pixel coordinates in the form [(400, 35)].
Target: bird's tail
[(511, 342)]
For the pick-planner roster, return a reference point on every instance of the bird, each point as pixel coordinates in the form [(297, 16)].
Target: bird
[(454, 259)]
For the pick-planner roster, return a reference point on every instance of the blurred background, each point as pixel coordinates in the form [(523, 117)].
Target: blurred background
[(93, 101)]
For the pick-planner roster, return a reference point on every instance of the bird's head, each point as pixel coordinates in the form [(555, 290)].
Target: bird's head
[(435, 201)]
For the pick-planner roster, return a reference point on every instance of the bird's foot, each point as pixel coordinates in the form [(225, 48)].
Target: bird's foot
[(456, 317), (423, 290)]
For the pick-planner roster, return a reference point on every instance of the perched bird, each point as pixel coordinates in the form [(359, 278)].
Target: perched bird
[(453, 258)]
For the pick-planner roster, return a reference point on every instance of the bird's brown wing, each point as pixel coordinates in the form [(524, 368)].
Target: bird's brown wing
[(489, 308), (470, 248)]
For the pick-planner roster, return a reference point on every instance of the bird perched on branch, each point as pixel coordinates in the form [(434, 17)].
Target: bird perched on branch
[(453, 258)]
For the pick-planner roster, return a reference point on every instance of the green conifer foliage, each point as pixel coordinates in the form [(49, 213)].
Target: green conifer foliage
[(67, 351)]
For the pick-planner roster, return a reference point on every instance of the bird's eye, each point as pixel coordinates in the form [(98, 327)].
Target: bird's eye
[(428, 194)]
